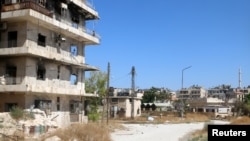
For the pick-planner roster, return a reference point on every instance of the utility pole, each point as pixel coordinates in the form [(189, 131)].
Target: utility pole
[(133, 92), (107, 94)]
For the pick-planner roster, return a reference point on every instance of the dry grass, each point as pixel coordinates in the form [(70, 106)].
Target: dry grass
[(101, 132), (240, 120), (82, 132), (202, 134)]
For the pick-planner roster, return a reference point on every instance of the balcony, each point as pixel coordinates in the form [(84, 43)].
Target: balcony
[(24, 84), (33, 12), (27, 5), (85, 8)]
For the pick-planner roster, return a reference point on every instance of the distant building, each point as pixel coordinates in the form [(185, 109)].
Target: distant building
[(121, 103), (219, 92), (193, 92)]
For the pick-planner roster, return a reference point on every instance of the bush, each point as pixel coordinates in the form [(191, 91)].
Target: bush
[(94, 116), (17, 113)]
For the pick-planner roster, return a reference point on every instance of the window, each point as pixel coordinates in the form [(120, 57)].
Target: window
[(42, 2), (44, 105), (73, 79), (58, 103), (41, 40), (73, 50), (41, 72), (58, 72), (11, 74), (75, 106), (8, 106), (12, 39), (114, 100)]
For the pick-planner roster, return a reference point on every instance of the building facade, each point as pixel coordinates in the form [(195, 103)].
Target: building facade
[(42, 56), (123, 103), (193, 92)]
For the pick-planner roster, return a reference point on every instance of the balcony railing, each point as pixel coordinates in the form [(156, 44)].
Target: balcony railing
[(27, 5)]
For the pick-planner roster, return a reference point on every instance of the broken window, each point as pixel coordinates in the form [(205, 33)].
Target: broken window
[(41, 71), (41, 40), (12, 39), (11, 74)]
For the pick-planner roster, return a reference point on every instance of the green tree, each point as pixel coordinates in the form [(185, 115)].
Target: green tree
[(156, 94), (96, 82), (149, 95), (247, 105)]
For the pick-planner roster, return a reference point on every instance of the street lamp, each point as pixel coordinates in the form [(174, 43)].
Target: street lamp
[(182, 75), (182, 104)]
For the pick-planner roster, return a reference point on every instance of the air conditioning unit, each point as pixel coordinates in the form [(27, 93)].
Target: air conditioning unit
[(3, 26)]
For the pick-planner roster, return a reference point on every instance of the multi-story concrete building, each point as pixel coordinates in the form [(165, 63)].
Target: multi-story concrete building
[(42, 56), (218, 92), (192, 92)]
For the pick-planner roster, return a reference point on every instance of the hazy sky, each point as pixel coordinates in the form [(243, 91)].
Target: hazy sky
[(162, 37)]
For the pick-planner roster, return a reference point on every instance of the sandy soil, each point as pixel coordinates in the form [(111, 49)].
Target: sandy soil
[(157, 132)]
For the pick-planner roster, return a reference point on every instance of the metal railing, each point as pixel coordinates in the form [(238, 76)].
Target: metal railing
[(29, 4)]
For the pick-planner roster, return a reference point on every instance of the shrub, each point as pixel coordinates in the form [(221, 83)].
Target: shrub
[(17, 113)]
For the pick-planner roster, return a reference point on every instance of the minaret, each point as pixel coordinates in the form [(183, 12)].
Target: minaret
[(239, 78)]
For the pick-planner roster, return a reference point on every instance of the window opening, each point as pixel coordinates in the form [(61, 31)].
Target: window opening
[(44, 105), (58, 103), (42, 2), (75, 106), (12, 39), (73, 79), (73, 50), (11, 74), (41, 72), (9, 106), (58, 72), (114, 100), (41, 40)]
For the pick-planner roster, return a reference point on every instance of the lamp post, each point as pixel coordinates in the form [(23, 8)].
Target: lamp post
[(182, 104), (182, 75)]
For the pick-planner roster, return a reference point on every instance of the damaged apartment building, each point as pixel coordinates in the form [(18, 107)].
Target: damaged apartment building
[(42, 56)]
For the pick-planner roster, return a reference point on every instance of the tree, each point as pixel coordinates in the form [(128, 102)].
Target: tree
[(149, 95), (96, 82), (247, 105), (156, 94)]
